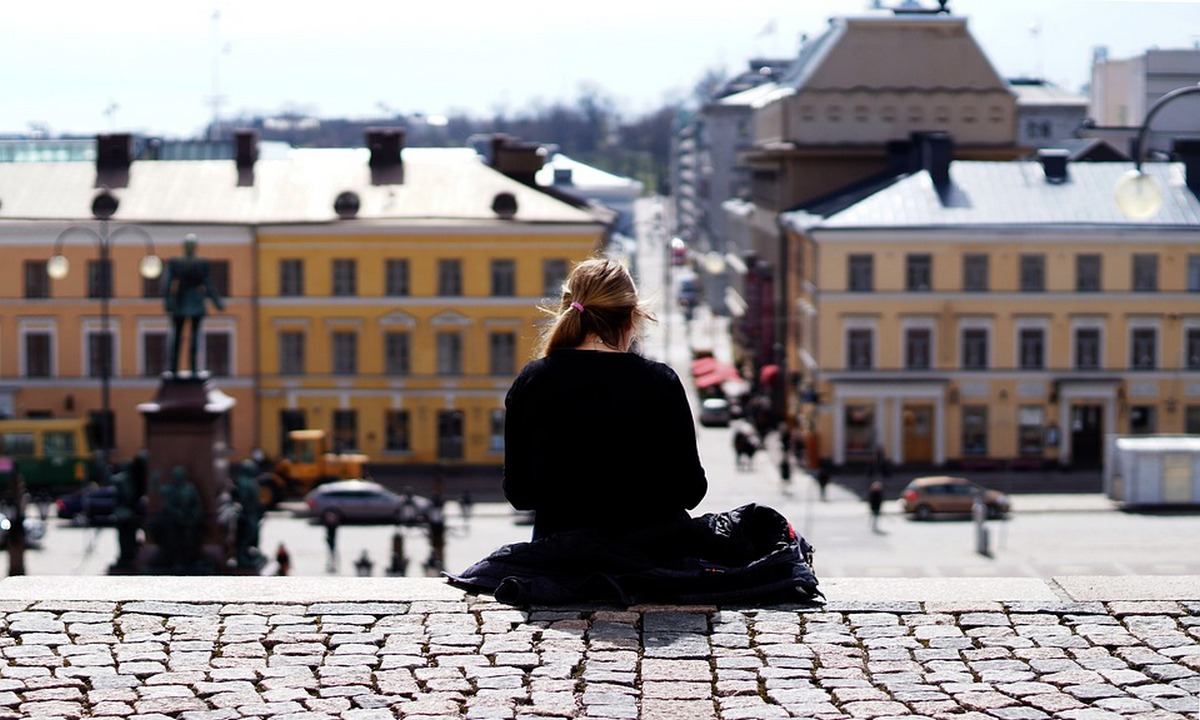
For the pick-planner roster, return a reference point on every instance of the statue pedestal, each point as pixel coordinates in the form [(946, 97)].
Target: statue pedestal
[(187, 426)]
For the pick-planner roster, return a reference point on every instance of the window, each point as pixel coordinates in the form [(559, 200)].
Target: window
[(1030, 419), (291, 352), (99, 278), (1191, 420), (397, 349), (1143, 347), (397, 435), (345, 352), (449, 278), (858, 349), (974, 430), (1143, 420), (554, 272), (38, 354), (152, 287), (974, 349), (100, 354), (496, 430), (344, 282), (861, 269), (1032, 349), (1192, 343), (918, 343), (219, 271), (1193, 273), (1145, 272), (859, 425), (345, 429), (217, 353), (919, 273), (1087, 272), (37, 281), (395, 280), (503, 353), (154, 353), (291, 277), (450, 434), (449, 353), (290, 419), (504, 278), (975, 272), (1087, 349), (1033, 273)]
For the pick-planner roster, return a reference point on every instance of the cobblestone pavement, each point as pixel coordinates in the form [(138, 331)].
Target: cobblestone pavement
[(453, 655)]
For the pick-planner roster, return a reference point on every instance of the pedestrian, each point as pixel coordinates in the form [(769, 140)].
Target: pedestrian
[(283, 560), (875, 502), (785, 454), (465, 504), (586, 386), (330, 520)]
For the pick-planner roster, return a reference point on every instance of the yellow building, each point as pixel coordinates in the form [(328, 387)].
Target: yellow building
[(1006, 315), (385, 294), (52, 337), (398, 328)]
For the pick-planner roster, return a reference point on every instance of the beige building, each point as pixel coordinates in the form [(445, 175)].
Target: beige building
[(854, 112), (997, 314)]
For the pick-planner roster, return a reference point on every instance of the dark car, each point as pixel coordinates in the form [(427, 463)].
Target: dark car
[(90, 506), (946, 495), (364, 501)]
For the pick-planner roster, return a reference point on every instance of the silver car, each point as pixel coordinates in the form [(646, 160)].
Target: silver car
[(364, 501)]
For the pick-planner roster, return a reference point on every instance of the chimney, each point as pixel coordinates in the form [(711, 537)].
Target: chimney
[(245, 155), (518, 160), (1054, 164), (386, 144), (114, 155), (937, 149), (1189, 154)]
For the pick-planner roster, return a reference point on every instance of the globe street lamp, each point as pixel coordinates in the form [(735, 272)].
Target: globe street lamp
[(1138, 194), (103, 207)]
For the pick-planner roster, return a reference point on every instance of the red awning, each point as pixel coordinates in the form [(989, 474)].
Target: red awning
[(722, 373), (704, 365), (768, 374)]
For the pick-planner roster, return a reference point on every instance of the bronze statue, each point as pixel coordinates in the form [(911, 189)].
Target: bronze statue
[(178, 523), (245, 494), (127, 515), (187, 284)]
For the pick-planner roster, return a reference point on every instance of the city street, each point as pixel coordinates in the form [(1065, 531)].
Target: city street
[(1046, 535)]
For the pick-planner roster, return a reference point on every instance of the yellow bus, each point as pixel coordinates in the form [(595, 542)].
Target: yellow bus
[(52, 455)]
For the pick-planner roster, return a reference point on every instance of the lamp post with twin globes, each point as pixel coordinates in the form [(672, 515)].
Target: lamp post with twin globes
[(1140, 195), (104, 206)]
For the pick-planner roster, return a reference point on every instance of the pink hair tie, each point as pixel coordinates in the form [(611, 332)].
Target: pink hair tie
[(578, 308)]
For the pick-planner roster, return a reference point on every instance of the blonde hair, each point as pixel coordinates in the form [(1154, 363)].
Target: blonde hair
[(599, 297)]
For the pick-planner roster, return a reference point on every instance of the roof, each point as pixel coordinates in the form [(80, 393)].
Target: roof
[(586, 178), (880, 52), (999, 194), (300, 187), (1044, 93)]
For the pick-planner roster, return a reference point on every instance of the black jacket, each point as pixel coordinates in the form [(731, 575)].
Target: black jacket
[(747, 555)]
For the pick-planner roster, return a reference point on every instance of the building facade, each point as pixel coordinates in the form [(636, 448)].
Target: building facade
[(1006, 315), (387, 295)]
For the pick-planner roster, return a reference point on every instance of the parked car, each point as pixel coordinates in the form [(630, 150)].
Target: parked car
[(364, 501), (944, 495), (715, 412), (90, 506)]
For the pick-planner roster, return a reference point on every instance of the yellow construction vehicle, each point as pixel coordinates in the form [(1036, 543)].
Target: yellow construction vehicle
[(307, 464)]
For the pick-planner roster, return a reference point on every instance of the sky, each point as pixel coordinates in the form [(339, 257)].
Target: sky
[(86, 67)]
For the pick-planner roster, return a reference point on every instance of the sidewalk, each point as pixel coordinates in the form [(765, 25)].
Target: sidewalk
[(1079, 648)]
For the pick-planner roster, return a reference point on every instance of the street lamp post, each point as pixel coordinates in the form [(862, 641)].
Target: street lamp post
[(1138, 194), (103, 207)]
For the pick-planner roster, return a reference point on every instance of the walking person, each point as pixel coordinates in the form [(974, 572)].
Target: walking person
[(330, 520), (875, 502), (587, 383)]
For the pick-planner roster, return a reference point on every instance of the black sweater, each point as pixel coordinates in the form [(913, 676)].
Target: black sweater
[(599, 440)]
